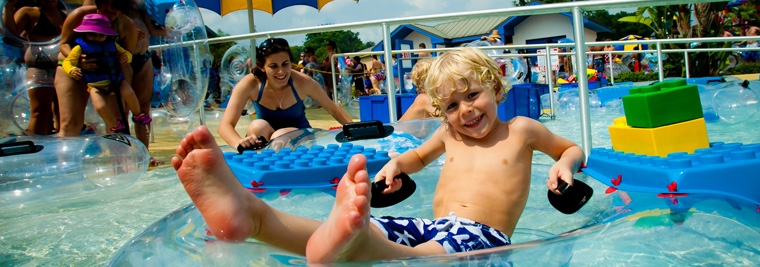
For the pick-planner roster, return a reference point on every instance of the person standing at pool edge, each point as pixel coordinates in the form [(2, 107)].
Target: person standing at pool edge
[(72, 94), (480, 150), (40, 23), (278, 92)]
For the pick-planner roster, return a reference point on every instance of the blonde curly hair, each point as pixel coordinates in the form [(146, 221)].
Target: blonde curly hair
[(419, 73), (447, 70)]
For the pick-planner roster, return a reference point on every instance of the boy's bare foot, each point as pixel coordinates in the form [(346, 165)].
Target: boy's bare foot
[(212, 186), (347, 226)]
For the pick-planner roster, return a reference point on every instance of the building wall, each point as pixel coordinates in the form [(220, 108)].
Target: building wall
[(418, 38), (543, 26)]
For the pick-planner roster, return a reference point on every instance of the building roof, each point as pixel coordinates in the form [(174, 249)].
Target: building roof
[(463, 28)]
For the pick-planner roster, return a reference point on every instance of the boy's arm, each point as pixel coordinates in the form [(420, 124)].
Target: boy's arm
[(568, 155), (412, 161), (70, 63)]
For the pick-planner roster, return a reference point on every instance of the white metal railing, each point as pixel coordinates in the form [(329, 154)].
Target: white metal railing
[(575, 8), (548, 53)]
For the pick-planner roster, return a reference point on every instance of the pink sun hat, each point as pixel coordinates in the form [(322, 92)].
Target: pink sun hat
[(96, 23)]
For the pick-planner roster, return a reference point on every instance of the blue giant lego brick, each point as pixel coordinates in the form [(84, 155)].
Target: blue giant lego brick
[(317, 167), (705, 80), (522, 100), (723, 169), (607, 94)]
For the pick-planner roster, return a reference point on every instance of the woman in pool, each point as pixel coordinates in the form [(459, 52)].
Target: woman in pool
[(277, 93)]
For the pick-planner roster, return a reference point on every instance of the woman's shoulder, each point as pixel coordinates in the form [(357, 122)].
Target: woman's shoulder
[(29, 11), (79, 12)]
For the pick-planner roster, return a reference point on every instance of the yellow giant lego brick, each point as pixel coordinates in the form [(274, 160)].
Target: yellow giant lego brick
[(660, 141)]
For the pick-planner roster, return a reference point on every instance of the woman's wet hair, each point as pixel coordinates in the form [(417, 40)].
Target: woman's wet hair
[(269, 47)]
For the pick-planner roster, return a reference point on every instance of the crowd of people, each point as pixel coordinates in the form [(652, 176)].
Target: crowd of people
[(62, 76)]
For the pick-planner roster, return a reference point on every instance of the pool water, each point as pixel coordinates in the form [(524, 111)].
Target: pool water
[(90, 229)]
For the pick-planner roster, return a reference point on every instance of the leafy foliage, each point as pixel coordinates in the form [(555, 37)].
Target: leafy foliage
[(218, 49), (347, 41), (747, 68)]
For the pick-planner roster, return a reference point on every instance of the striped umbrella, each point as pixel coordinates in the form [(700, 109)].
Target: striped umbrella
[(224, 7)]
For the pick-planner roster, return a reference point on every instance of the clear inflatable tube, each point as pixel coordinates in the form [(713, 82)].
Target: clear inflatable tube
[(233, 68), (187, 59), (4, 30), (611, 226), (62, 166)]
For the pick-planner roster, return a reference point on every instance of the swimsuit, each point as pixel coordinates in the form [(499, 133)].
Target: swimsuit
[(138, 61), (293, 116), (46, 28), (453, 233)]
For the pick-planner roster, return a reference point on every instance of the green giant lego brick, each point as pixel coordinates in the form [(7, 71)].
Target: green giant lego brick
[(672, 84), (655, 106)]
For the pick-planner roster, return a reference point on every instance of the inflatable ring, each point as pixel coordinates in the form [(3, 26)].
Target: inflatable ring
[(187, 58), (234, 63), (41, 167), (15, 40)]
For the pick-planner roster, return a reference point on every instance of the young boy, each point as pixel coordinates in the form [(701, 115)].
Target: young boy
[(485, 179)]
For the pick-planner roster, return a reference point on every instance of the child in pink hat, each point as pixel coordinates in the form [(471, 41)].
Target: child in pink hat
[(96, 43)]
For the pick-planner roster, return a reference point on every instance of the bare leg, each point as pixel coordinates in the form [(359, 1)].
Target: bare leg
[(41, 110), (129, 96), (142, 85), (72, 99), (347, 235), (231, 212), (282, 132), (260, 127), (99, 101)]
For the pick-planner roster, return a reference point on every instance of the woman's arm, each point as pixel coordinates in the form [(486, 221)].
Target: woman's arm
[(239, 97), (14, 20), (127, 33), (72, 21), (316, 93)]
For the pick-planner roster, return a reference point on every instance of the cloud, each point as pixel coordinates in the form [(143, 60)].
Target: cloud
[(344, 11)]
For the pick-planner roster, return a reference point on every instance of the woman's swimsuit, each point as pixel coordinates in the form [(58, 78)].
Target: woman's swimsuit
[(293, 116), (138, 61), (46, 28), (42, 60)]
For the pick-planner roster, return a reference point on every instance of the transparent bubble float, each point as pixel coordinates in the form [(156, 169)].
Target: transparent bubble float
[(187, 58), (736, 104)]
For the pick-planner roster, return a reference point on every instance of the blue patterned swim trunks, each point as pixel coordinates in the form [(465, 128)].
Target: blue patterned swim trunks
[(453, 233)]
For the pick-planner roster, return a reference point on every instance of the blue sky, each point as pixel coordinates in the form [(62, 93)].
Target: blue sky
[(343, 11)]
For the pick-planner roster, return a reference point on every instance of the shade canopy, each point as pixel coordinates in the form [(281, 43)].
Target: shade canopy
[(224, 7)]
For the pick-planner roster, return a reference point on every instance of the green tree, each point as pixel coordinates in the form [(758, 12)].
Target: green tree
[(347, 41), (218, 49), (618, 29), (675, 22)]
